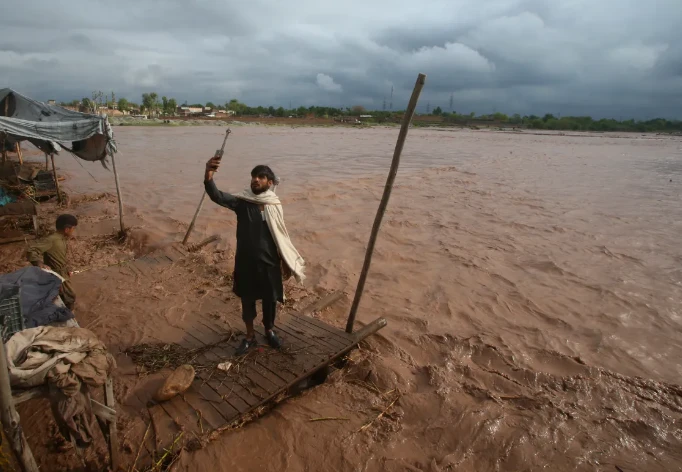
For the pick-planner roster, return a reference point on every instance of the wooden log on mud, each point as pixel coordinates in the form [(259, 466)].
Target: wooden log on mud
[(370, 329), (321, 304), (209, 240), (407, 118)]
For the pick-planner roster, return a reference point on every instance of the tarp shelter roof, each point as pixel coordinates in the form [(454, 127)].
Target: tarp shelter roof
[(52, 128)]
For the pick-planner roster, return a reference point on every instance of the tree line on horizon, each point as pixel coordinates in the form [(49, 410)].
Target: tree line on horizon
[(153, 105)]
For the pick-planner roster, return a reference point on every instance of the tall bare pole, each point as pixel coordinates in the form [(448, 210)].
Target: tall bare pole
[(407, 118)]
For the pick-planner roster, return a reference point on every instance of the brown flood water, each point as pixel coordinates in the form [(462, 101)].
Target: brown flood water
[(532, 286)]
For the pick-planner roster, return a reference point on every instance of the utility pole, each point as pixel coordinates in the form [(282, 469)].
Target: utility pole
[(390, 105), (428, 108), (452, 99)]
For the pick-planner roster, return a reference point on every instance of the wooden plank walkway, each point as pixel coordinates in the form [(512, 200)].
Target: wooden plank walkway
[(216, 400)]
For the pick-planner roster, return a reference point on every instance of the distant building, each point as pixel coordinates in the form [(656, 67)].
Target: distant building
[(51, 102), (190, 111)]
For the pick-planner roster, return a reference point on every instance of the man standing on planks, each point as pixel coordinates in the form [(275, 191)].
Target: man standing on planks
[(265, 255)]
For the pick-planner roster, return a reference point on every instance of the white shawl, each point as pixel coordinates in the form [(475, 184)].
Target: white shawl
[(274, 217)]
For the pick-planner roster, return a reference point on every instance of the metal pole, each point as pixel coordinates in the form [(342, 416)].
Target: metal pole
[(409, 113)]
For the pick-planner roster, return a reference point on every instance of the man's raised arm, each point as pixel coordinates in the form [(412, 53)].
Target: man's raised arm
[(221, 198)]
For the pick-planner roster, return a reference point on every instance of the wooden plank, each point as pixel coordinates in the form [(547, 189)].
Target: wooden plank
[(233, 395), (303, 340), (110, 403), (204, 334), (210, 324), (316, 334), (210, 395), (337, 333), (217, 399), (208, 414), (182, 413), (165, 428), (103, 411), (238, 397)]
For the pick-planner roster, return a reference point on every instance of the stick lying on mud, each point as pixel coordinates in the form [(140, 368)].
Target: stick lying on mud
[(209, 240), (407, 118)]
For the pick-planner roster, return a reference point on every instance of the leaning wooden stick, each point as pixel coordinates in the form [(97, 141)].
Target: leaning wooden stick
[(120, 199), (56, 179), (407, 118), (218, 153)]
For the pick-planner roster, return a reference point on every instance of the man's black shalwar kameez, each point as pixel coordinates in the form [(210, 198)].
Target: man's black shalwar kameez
[(257, 264)]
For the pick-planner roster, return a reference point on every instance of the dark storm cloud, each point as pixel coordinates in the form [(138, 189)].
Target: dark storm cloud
[(527, 56)]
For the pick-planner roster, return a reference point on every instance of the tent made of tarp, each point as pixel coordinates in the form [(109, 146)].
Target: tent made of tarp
[(52, 128)]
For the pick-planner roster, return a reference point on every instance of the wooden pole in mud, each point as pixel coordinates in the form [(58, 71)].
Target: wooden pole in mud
[(10, 419), (118, 193), (407, 118), (56, 180)]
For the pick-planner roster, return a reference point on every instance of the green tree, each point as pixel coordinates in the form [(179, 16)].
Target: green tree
[(150, 102), (123, 105), (172, 106), (279, 112), (210, 105), (437, 111), (87, 103), (164, 105)]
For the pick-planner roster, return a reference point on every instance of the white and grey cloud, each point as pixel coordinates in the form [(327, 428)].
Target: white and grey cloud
[(595, 57)]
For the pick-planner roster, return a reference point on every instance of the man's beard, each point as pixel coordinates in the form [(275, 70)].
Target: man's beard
[(258, 190)]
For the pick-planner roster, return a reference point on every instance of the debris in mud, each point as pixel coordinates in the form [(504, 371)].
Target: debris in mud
[(156, 357)]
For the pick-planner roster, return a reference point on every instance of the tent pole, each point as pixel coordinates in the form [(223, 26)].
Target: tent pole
[(21, 158), (47, 165), (118, 192), (4, 135), (10, 419), (56, 180), (407, 118)]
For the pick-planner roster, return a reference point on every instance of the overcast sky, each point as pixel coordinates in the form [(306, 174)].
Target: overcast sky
[(620, 58)]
